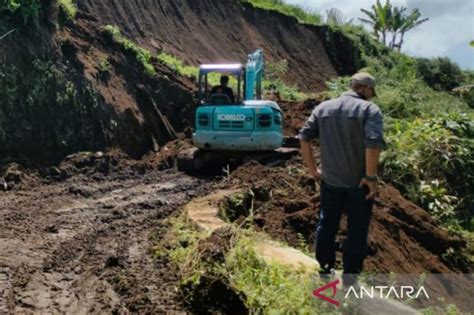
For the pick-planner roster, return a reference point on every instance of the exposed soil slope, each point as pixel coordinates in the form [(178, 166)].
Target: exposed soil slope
[(99, 95), (199, 31), (87, 106)]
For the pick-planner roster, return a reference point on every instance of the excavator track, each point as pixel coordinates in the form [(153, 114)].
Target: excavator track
[(201, 161)]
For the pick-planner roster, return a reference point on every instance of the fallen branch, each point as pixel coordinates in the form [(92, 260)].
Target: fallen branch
[(7, 33)]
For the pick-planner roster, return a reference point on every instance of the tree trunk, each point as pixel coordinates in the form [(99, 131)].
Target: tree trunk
[(400, 43), (394, 39)]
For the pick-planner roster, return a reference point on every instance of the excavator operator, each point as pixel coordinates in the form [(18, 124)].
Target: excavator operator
[(224, 89)]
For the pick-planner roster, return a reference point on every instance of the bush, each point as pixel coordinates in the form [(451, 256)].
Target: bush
[(439, 73), (432, 162), (43, 113), (19, 12), (401, 94), (68, 9), (430, 136), (303, 15), (274, 81), (142, 55), (178, 66)]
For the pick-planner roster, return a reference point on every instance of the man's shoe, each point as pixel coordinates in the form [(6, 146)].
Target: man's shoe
[(349, 280)]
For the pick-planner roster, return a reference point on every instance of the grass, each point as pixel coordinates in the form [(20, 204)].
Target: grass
[(267, 288), (272, 81), (142, 55), (69, 9), (303, 15), (178, 65)]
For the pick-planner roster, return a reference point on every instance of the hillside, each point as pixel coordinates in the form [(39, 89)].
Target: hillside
[(202, 31), (91, 122)]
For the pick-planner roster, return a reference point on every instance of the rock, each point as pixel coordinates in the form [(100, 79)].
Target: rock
[(3, 184), (262, 193), (295, 205)]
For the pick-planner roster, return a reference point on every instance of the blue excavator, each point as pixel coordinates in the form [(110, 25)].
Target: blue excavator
[(245, 127)]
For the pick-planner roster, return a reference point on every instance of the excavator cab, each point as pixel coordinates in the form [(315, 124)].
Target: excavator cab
[(236, 71), (249, 123)]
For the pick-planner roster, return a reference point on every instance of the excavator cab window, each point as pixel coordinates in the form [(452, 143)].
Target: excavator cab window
[(206, 72)]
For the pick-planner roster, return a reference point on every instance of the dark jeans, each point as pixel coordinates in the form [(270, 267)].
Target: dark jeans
[(359, 210)]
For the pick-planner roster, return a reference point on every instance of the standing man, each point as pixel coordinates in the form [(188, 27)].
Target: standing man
[(350, 130)]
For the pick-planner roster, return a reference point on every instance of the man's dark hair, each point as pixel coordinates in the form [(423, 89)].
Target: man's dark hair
[(224, 79)]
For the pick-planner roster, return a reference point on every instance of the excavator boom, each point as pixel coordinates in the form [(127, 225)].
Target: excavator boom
[(254, 76)]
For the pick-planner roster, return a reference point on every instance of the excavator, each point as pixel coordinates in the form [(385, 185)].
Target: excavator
[(235, 130)]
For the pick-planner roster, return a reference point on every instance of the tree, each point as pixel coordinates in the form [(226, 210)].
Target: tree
[(380, 18), (396, 24), (471, 43), (410, 22), (335, 17), (389, 20)]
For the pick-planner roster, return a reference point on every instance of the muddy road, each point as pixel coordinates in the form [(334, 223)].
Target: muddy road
[(84, 245)]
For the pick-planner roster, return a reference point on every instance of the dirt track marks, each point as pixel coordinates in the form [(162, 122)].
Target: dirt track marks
[(85, 247)]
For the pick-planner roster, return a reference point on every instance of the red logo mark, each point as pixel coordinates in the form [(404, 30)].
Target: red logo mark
[(333, 285)]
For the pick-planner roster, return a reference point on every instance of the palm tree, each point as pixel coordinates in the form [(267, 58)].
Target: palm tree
[(396, 23), (410, 22), (380, 19)]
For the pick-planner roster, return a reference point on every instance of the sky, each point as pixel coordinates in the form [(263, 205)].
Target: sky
[(447, 33)]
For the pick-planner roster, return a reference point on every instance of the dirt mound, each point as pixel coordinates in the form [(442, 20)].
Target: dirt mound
[(15, 176), (223, 31), (296, 114), (403, 237)]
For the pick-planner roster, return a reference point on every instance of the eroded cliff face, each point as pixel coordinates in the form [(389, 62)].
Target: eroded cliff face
[(199, 31), (66, 87)]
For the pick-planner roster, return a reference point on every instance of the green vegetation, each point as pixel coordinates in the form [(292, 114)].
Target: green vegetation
[(265, 288), (68, 8), (427, 104), (191, 72), (142, 55), (274, 81), (303, 15), (448, 309), (273, 77), (56, 114), (386, 19), (18, 13), (23, 14), (430, 136), (104, 67), (440, 73), (179, 67), (432, 161), (335, 17)]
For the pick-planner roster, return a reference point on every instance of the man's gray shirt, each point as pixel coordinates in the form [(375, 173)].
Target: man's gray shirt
[(345, 127)]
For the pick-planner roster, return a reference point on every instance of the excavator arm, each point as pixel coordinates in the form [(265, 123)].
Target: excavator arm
[(254, 76)]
